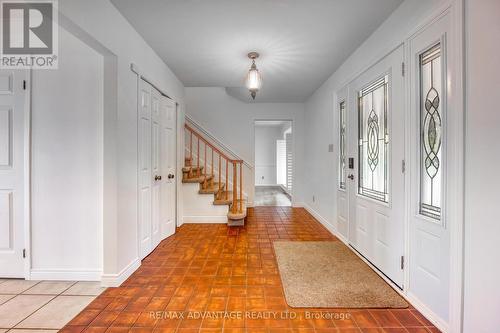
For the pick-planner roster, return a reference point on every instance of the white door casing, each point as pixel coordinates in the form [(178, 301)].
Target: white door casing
[(168, 162), (429, 237), (145, 172), (376, 226), (14, 113)]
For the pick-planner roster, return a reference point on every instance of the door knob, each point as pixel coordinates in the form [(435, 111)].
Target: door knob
[(351, 177), (157, 178), (170, 176)]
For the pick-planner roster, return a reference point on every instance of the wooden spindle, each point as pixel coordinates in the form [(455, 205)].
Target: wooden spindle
[(220, 182), (191, 146), (198, 157), (205, 167), (227, 179), (241, 187), (212, 167), (235, 189)]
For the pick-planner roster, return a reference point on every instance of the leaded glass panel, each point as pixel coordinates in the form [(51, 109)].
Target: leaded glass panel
[(342, 148), (373, 141), (430, 132)]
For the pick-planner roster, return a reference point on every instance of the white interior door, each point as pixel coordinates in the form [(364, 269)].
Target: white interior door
[(376, 190), (156, 167), (168, 162), (13, 164), (429, 131), (145, 172)]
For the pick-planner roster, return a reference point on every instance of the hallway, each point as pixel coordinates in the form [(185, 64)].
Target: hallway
[(215, 268), (271, 196)]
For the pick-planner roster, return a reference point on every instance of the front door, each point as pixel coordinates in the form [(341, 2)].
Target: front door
[(13, 157), (376, 182)]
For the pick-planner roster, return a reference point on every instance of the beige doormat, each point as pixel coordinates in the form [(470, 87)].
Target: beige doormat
[(330, 275)]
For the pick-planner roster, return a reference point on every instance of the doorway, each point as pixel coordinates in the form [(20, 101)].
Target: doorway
[(273, 162)]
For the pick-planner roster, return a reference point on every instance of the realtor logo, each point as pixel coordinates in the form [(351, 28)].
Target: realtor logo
[(29, 34)]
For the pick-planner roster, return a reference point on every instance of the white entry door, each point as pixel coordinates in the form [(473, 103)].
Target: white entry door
[(376, 182), (157, 151), (13, 164), (168, 162)]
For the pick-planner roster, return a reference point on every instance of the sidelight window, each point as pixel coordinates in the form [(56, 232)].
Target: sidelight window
[(431, 132), (342, 144)]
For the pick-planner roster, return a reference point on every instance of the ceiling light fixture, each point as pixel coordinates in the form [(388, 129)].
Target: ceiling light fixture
[(254, 80)]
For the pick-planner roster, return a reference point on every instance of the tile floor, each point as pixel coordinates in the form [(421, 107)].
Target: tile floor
[(271, 196), (42, 306), (208, 269)]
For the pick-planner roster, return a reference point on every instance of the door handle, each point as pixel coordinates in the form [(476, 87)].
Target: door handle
[(170, 176), (351, 177), (157, 178)]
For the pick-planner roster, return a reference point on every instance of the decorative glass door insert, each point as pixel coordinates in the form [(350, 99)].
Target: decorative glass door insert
[(373, 140), (431, 132), (342, 144)]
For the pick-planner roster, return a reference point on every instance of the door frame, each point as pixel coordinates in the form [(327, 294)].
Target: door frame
[(27, 176), (178, 124), (294, 178), (457, 118)]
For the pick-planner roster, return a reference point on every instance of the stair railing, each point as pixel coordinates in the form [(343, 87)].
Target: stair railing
[(195, 138)]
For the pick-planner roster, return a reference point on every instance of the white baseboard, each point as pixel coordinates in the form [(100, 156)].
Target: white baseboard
[(427, 313), (115, 280), (421, 307), (204, 219), (65, 274)]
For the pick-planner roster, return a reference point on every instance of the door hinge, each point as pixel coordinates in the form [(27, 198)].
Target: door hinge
[(24, 253), (24, 84), (403, 166), (402, 262), (403, 69)]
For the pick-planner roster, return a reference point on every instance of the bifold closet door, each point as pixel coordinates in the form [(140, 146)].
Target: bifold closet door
[(157, 151), (13, 116)]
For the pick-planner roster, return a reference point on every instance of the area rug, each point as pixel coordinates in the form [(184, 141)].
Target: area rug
[(330, 275)]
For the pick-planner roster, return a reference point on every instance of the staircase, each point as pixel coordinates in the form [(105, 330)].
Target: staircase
[(217, 174)]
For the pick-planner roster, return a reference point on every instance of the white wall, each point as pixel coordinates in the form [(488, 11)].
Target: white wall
[(265, 154), (232, 122), (65, 197), (482, 227), (101, 25)]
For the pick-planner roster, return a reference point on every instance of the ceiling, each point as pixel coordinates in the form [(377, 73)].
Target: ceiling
[(301, 42)]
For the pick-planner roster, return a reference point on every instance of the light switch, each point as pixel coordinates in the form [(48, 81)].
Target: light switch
[(330, 148)]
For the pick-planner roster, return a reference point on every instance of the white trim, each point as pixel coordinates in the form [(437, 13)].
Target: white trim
[(426, 312), (115, 280), (204, 219), (212, 138), (64, 274)]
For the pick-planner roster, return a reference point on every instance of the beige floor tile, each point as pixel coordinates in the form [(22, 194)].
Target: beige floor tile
[(18, 308), (56, 313), (14, 287), (85, 288), (49, 288), (5, 298)]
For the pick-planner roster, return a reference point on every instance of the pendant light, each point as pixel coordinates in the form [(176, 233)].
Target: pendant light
[(254, 80)]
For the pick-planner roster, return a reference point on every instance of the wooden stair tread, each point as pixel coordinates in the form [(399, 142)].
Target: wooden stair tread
[(222, 198), (200, 179), (213, 189), (194, 168)]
